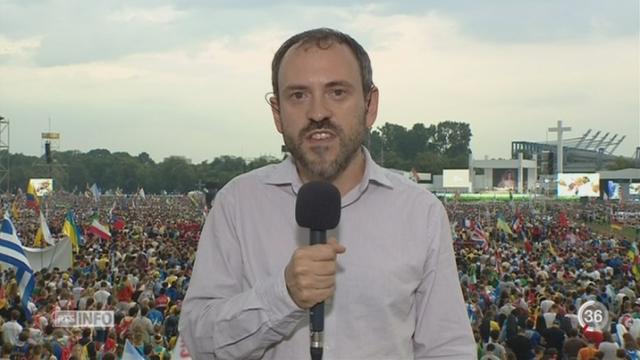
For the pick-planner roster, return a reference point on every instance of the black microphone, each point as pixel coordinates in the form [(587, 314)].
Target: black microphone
[(318, 209)]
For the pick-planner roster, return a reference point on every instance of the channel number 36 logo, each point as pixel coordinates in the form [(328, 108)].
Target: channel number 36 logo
[(594, 316)]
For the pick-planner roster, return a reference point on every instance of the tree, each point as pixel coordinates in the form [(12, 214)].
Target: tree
[(425, 148), (622, 163), (428, 149)]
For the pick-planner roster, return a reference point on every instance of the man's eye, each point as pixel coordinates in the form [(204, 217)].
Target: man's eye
[(339, 92), (298, 95)]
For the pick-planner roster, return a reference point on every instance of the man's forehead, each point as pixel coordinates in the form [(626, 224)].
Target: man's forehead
[(315, 47), (304, 57)]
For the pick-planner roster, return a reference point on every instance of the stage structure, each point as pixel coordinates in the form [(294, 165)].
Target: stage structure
[(585, 154), (50, 142), (5, 164)]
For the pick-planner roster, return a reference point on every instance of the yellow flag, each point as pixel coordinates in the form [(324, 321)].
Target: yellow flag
[(37, 242), (14, 211), (504, 226), (552, 250)]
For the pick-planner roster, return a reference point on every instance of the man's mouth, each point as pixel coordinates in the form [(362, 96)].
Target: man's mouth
[(320, 135)]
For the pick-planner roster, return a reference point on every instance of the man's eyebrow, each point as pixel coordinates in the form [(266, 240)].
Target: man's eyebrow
[(294, 87), (330, 84), (339, 83)]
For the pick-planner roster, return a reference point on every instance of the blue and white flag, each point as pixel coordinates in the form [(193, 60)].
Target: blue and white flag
[(130, 352), (95, 191), (12, 253)]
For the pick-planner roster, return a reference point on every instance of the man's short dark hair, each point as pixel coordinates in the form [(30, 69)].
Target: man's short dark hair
[(323, 38)]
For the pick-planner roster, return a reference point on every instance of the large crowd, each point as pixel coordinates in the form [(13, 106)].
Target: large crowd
[(525, 286), (141, 274), (525, 269)]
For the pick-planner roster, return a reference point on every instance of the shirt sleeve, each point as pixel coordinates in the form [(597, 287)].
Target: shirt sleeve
[(443, 330), (221, 318)]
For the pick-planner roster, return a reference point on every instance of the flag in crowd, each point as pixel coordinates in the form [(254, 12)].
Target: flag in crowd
[(100, 230), (71, 230), (12, 253), (15, 211), (130, 352), (563, 221), (32, 197), (43, 233), (479, 236), (502, 225), (95, 192), (118, 223)]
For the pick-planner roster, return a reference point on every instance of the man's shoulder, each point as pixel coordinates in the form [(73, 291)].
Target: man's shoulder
[(251, 179), (403, 185)]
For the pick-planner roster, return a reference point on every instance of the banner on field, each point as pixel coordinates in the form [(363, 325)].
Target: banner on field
[(58, 255)]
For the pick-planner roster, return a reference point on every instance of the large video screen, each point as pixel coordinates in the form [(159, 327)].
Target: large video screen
[(505, 178), (612, 190), (634, 189), (579, 185), (455, 178), (42, 186)]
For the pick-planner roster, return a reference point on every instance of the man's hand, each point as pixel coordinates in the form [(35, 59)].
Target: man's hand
[(311, 273)]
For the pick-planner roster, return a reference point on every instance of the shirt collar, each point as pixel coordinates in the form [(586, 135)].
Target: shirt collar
[(285, 173)]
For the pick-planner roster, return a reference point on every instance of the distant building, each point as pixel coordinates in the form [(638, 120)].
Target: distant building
[(581, 155)]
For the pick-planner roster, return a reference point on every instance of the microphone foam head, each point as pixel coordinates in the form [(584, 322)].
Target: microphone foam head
[(318, 206)]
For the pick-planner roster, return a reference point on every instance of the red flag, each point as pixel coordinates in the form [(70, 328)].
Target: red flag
[(563, 221), (118, 224), (527, 246)]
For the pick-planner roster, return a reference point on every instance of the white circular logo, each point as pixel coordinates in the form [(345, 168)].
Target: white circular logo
[(594, 315)]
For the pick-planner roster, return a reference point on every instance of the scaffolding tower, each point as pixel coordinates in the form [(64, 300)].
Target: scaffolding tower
[(4, 154)]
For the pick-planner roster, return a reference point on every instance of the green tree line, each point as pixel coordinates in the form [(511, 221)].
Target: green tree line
[(427, 149)]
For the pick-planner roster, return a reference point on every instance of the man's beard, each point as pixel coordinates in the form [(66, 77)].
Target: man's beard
[(319, 166)]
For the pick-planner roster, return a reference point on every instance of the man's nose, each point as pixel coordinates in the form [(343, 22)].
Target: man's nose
[(319, 110)]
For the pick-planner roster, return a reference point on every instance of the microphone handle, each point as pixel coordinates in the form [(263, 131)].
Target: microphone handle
[(316, 315)]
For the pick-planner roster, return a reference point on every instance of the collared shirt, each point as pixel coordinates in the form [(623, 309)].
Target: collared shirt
[(397, 291)]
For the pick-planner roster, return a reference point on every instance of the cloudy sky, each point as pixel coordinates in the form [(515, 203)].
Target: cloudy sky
[(189, 77)]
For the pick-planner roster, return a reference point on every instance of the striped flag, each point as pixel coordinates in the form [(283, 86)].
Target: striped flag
[(32, 197), (71, 230), (99, 230), (479, 236), (516, 225), (12, 253)]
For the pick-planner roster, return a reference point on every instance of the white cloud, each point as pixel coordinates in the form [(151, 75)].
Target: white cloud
[(158, 15), (18, 47), (206, 97), (429, 71)]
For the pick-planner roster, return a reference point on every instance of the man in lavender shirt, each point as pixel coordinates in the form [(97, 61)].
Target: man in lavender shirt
[(387, 273)]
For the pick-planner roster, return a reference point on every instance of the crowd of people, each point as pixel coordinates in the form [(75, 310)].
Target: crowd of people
[(525, 269), (525, 286), (141, 274)]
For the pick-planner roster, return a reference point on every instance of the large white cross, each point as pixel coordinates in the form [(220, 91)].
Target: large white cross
[(559, 130)]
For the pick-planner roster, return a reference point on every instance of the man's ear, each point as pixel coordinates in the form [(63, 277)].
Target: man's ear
[(371, 106), (275, 111)]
